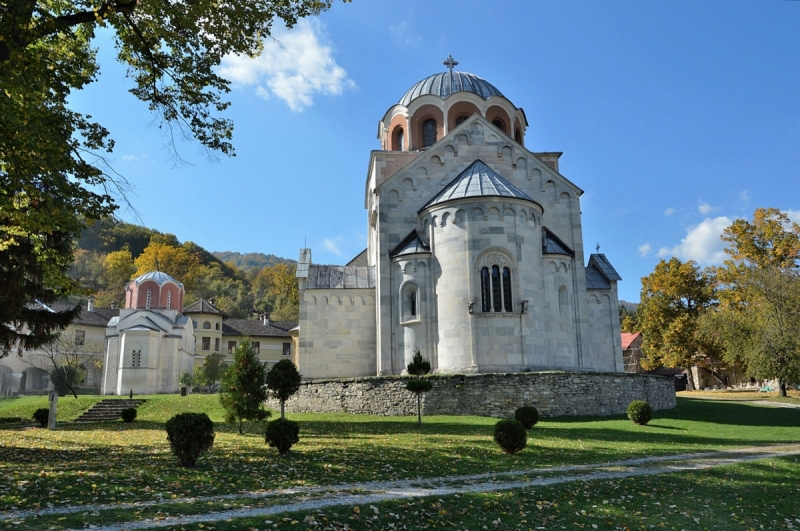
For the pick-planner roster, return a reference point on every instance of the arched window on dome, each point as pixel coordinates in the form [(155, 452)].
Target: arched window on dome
[(428, 133), (518, 136), (169, 299), (149, 297), (397, 139), (206, 326), (216, 326), (498, 123), (460, 119)]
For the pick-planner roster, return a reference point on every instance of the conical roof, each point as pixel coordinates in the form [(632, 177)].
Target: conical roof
[(477, 180)]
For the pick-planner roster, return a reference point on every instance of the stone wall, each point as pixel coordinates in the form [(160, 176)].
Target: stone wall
[(491, 395)]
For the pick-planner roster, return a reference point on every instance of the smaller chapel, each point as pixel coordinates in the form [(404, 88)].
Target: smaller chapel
[(151, 343), (474, 254)]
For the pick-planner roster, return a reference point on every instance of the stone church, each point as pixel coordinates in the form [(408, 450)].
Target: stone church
[(474, 253)]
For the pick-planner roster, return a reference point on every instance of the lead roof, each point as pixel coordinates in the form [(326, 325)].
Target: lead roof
[(340, 277), (447, 83), (477, 180)]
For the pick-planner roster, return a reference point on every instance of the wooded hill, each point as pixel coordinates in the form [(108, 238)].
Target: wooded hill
[(110, 253)]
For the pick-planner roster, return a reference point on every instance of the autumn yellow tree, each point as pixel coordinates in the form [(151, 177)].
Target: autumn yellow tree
[(673, 298), (275, 292), (758, 319), (174, 261)]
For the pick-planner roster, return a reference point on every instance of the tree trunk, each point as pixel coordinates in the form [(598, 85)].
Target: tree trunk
[(419, 411), (240, 425), (782, 387), (282, 408)]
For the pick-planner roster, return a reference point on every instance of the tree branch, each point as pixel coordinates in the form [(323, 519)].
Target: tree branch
[(56, 24)]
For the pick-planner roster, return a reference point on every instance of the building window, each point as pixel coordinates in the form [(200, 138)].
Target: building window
[(409, 310), (169, 299), (461, 119), (256, 347), (287, 349), (216, 326), (216, 344), (80, 338), (496, 289), (206, 343), (397, 139), (149, 294), (136, 358), (231, 347), (518, 136), (206, 326), (563, 301), (194, 324), (498, 123), (428, 133)]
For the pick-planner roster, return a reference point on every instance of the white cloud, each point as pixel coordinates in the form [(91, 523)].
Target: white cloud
[(295, 66), (794, 215), (644, 250), (401, 33), (669, 211), (330, 245), (705, 208), (744, 196), (702, 242)]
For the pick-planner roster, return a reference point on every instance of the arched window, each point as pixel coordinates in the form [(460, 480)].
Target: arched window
[(410, 308), (518, 136), (169, 299), (496, 290), (461, 119), (507, 289), (428, 132), (563, 301), (149, 295), (498, 123), (206, 326), (397, 139), (216, 325), (194, 324)]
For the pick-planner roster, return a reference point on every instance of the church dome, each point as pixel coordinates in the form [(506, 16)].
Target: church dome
[(447, 83), (154, 290), (158, 277)]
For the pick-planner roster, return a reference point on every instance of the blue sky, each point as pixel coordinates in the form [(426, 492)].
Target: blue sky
[(675, 118)]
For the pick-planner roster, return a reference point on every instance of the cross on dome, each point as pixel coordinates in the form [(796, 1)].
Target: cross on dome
[(450, 63)]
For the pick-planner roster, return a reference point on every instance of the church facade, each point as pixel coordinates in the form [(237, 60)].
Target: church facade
[(474, 254)]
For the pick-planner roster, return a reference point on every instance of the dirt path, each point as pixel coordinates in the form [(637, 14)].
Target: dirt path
[(310, 498)]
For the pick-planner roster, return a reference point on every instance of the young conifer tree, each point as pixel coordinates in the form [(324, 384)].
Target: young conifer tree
[(243, 393), (418, 367)]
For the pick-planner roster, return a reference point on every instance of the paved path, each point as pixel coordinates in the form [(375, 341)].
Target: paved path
[(310, 498)]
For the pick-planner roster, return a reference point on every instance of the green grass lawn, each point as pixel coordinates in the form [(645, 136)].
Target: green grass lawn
[(117, 462)]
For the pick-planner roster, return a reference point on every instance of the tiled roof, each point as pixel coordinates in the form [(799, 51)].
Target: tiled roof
[(552, 244), (256, 328), (340, 277), (98, 317), (203, 306), (628, 338), (477, 180), (411, 244)]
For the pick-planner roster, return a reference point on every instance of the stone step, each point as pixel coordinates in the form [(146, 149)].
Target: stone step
[(108, 410)]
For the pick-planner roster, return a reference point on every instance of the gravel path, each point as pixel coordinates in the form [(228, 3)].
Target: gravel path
[(310, 498)]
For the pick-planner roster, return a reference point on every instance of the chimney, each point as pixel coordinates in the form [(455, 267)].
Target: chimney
[(90, 304), (113, 305), (265, 318)]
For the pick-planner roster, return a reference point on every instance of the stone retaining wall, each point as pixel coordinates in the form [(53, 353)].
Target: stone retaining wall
[(490, 395)]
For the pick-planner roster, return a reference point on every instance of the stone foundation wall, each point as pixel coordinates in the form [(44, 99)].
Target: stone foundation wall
[(490, 395)]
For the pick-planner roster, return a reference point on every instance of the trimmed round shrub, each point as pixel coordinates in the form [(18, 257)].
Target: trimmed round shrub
[(527, 415), (510, 435), (639, 412), (419, 386), (42, 415), (190, 435), (282, 434), (128, 414)]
